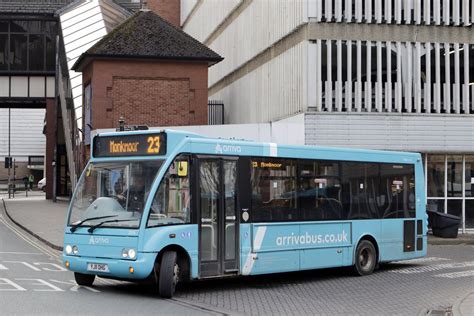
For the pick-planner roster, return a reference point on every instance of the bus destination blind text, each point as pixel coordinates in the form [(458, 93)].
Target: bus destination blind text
[(130, 145)]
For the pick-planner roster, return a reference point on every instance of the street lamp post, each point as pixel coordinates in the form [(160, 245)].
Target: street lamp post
[(9, 154)]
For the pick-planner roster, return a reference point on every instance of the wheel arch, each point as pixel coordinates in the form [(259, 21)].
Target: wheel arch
[(184, 260), (370, 238)]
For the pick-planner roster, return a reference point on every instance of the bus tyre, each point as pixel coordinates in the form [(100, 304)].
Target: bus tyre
[(84, 279), (365, 258), (169, 274)]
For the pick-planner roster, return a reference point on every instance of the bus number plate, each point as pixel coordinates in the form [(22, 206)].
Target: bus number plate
[(97, 267)]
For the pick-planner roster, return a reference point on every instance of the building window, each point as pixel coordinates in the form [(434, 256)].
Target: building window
[(28, 46), (450, 186), (435, 174)]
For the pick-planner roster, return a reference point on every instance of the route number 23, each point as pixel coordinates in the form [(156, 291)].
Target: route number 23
[(153, 145)]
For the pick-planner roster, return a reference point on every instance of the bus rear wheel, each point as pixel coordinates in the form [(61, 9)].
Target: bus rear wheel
[(169, 274), (84, 279), (365, 258)]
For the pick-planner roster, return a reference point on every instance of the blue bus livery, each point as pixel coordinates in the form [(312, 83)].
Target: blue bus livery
[(172, 206)]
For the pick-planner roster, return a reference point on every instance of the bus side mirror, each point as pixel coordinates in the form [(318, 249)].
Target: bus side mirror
[(182, 169)]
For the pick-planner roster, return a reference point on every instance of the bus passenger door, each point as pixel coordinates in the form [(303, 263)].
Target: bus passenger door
[(218, 220)]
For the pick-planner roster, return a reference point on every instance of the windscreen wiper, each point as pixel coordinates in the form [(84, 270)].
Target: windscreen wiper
[(92, 228), (75, 226)]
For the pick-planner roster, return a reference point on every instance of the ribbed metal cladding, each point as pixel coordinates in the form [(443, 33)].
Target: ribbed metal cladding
[(406, 132), (374, 76), (416, 12)]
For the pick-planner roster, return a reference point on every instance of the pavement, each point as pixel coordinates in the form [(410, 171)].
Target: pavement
[(45, 220)]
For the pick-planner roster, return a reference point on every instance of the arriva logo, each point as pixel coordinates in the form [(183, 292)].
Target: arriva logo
[(220, 149), (98, 240)]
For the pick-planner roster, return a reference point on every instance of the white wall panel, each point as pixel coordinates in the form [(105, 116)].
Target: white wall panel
[(208, 17), (4, 86), (19, 86), (95, 16), (186, 8), (27, 137), (37, 87), (50, 87), (275, 90), (408, 132), (259, 26)]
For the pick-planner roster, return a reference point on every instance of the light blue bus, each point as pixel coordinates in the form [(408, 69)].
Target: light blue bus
[(172, 206)]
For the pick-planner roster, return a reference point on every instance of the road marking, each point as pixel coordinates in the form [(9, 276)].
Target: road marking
[(75, 287), (25, 264), (21, 253), (58, 268), (2, 267), (456, 275), (10, 283), (426, 259), (432, 268), (41, 282)]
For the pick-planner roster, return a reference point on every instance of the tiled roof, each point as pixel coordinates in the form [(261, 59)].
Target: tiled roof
[(32, 6), (146, 35), (131, 5)]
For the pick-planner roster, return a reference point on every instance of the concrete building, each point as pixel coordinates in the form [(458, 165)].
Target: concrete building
[(146, 70), (388, 74), (27, 71)]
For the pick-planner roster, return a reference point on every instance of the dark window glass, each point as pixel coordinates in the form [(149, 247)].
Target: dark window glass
[(18, 26), (3, 51), (171, 204), (469, 214), (319, 190), (354, 197), (35, 27), (469, 176), (18, 52), (50, 53), (397, 183), (36, 52), (454, 176), (273, 190), (436, 173), (436, 205), (3, 26), (324, 61), (455, 207)]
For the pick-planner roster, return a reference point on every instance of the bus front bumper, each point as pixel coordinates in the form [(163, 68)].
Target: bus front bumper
[(112, 268)]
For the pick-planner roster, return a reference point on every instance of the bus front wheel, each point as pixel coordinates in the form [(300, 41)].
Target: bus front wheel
[(84, 279), (169, 274), (365, 258)]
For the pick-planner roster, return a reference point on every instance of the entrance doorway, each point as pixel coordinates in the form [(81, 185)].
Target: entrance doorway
[(218, 220)]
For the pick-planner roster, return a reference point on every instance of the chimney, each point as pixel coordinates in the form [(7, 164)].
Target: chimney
[(167, 9)]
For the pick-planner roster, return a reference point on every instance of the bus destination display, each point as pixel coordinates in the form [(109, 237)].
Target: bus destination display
[(130, 145)]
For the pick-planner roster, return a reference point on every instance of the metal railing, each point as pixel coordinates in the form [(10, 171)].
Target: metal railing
[(215, 112), (35, 160)]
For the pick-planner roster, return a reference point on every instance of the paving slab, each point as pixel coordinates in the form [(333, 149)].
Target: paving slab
[(465, 306), (39, 217)]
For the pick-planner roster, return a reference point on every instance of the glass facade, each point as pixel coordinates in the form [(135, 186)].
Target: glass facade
[(27, 46), (450, 186)]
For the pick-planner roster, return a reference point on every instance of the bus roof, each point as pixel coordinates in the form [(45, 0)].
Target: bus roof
[(280, 149)]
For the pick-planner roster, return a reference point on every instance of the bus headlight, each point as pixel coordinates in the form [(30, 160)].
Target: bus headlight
[(125, 253), (68, 249), (132, 253), (129, 253), (75, 250)]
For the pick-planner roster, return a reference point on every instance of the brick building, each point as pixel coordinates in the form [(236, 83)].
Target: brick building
[(146, 71)]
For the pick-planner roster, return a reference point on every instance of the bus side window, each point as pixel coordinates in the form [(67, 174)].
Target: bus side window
[(398, 183), (171, 203), (273, 190), (319, 191)]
